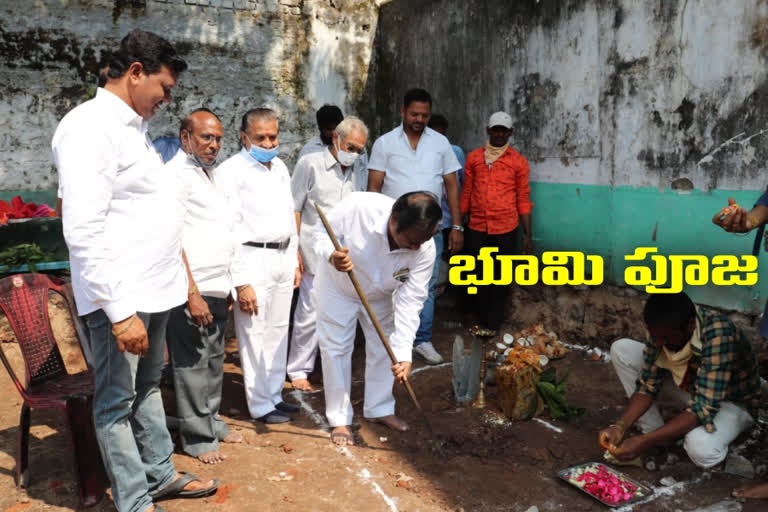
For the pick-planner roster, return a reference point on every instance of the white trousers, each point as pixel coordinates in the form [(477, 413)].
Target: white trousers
[(263, 338), (706, 449), (301, 356), (336, 326)]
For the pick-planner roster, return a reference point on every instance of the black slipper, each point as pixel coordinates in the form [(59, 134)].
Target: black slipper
[(286, 407), (348, 436), (274, 417), (175, 489)]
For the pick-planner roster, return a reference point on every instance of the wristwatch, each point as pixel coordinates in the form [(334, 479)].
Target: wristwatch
[(458, 228)]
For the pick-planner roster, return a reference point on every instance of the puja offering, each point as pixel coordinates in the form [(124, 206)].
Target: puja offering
[(539, 340), (605, 484)]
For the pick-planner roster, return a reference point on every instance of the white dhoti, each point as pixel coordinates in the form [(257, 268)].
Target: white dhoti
[(336, 325), (303, 351), (263, 338), (706, 449)]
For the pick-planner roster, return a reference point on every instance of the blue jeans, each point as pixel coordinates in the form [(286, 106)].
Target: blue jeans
[(128, 412), (427, 315)]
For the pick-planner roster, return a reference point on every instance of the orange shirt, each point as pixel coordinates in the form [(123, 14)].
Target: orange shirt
[(495, 196)]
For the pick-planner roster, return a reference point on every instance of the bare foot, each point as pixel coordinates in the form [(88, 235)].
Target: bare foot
[(342, 436), (233, 438), (759, 491), (392, 422), (196, 485), (215, 457), (302, 385)]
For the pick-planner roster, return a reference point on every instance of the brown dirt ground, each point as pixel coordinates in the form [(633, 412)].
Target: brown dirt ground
[(489, 464)]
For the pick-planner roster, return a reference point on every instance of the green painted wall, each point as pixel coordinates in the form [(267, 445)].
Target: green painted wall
[(611, 222), (34, 196)]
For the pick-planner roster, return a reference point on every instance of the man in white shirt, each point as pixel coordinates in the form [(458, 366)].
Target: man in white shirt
[(416, 157), (215, 265), (328, 117), (325, 178), (127, 270), (257, 183), (388, 243)]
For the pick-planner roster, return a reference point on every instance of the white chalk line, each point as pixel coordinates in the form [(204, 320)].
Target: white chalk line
[(660, 492), (548, 425), (364, 475), (430, 367), (307, 408)]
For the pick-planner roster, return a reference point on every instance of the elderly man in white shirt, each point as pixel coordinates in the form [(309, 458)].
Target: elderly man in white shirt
[(123, 219), (215, 266), (257, 184), (325, 178), (416, 157), (388, 243)]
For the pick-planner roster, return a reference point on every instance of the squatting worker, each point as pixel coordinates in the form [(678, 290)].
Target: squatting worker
[(215, 265), (707, 368), (325, 177), (389, 245), (257, 183), (127, 270)]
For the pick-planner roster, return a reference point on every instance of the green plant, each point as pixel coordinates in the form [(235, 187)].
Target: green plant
[(25, 254), (552, 392)]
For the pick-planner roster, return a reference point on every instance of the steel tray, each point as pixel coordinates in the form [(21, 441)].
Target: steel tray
[(647, 491)]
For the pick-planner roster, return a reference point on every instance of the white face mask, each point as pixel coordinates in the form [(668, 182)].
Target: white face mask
[(346, 158)]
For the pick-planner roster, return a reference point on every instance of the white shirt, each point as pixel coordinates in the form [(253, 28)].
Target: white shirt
[(261, 198), (318, 178), (209, 237), (407, 169), (123, 215), (360, 223)]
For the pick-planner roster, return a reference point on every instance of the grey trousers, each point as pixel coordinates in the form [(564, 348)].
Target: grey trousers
[(197, 356)]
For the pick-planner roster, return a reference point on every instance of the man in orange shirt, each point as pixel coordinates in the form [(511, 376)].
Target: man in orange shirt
[(496, 195)]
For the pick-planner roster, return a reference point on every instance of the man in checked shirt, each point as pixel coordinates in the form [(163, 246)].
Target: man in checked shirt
[(706, 366)]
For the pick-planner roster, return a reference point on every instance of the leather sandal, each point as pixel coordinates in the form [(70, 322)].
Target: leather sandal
[(175, 489)]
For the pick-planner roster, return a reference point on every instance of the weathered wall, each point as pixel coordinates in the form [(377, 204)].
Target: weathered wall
[(291, 55), (639, 118)]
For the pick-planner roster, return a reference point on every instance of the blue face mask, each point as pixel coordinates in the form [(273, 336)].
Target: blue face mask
[(260, 154)]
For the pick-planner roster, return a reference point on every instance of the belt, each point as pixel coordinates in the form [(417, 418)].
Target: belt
[(269, 245)]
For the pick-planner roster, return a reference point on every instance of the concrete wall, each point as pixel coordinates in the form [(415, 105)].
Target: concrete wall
[(639, 119), (291, 55)]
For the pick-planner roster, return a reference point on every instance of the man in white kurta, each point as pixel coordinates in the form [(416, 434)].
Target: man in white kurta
[(257, 184), (195, 334), (325, 178), (389, 245)]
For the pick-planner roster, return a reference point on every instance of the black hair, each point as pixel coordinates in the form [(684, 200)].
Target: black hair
[(419, 95), (254, 114), (150, 50), (328, 116), (417, 209), (438, 121), (186, 123), (103, 76), (673, 310)]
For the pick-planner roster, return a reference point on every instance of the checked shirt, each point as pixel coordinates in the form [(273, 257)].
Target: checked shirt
[(725, 369)]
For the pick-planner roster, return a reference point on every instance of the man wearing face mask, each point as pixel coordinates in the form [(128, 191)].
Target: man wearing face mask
[(214, 265), (256, 183), (325, 177), (328, 117)]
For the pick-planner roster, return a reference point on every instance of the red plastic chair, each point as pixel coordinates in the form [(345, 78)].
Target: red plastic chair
[(24, 300)]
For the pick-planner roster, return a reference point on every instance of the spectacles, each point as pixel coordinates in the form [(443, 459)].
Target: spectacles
[(352, 148)]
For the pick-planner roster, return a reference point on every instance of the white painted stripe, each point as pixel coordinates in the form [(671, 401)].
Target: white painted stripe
[(316, 416), (430, 367), (672, 490), (364, 475), (549, 425)]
